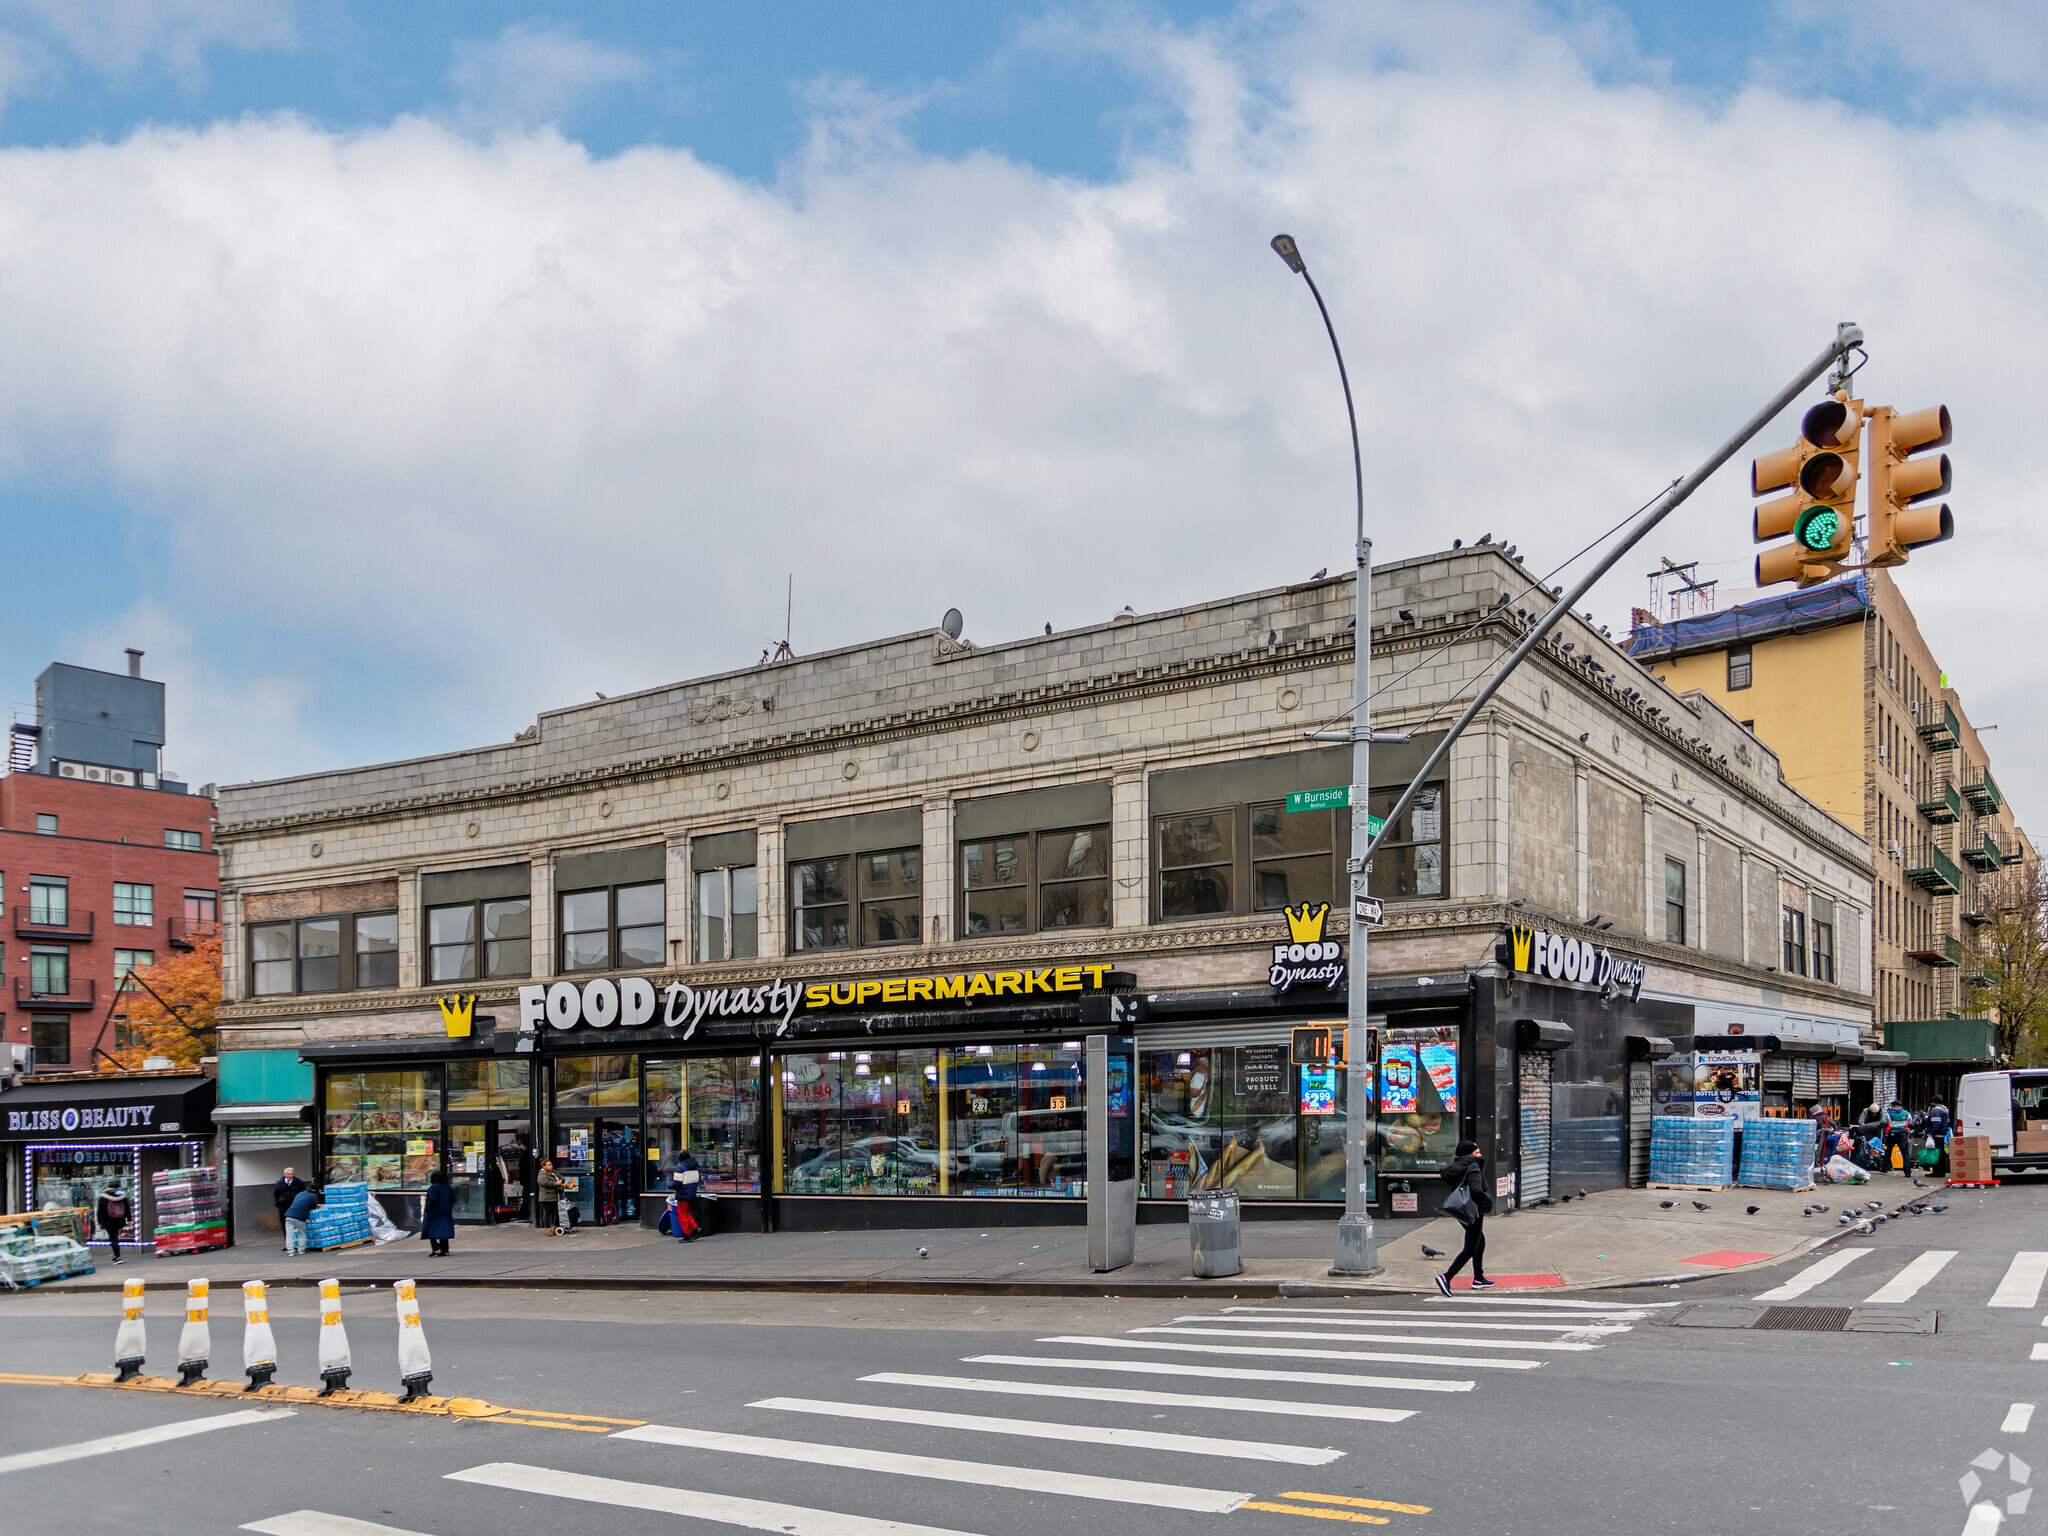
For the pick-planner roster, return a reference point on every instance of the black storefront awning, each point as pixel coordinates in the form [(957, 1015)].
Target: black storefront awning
[(1650, 1047), (110, 1109), (1542, 1035)]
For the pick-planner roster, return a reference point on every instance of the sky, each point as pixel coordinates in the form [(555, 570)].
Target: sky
[(391, 373)]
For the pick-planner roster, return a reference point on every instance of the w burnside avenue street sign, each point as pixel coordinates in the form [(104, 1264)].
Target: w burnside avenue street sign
[(1336, 798)]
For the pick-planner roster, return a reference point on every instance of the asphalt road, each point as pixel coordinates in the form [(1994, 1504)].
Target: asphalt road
[(818, 1416)]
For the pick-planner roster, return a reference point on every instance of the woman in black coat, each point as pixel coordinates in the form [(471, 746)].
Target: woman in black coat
[(437, 1216), (1467, 1169)]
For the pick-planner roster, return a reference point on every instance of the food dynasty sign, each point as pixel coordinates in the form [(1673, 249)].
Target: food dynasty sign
[(633, 1002), (1553, 957)]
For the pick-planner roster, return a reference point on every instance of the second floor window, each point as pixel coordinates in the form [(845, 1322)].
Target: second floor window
[(126, 960), (135, 905), (1035, 882), (1792, 952), (621, 927), (1823, 939), (856, 900), (338, 953), (480, 940), (1674, 902), (202, 911), (51, 1039), (728, 914)]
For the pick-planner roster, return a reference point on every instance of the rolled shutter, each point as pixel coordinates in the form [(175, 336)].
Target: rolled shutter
[(1533, 1184)]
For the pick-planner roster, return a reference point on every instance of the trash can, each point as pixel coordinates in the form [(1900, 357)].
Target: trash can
[(1213, 1240)]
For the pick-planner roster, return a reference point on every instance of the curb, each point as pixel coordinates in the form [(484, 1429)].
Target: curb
[(1258, 1289)]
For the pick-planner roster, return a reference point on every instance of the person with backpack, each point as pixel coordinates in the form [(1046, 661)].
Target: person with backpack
[(687, 1182), (1938, 1129), (1468, 1202), (1898, 1137), (113, 1217)]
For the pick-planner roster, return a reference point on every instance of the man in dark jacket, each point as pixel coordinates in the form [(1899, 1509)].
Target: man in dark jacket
[(113, 1216), (686, 1181), (284, 1191), (295, 1216), (1467, 1170)]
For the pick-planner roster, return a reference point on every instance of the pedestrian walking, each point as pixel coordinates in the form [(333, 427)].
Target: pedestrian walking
[(295, 1217), (437, 1214), (686, 1181), (1467, 1171), (548, 1187), (284, 1191), (113, 1217)]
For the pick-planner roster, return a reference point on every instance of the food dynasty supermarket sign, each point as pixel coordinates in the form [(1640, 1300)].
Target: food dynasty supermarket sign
[(633, 1002), (1553, 957)]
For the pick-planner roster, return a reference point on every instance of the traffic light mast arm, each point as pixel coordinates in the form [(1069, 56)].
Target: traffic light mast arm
[(1847, 337)]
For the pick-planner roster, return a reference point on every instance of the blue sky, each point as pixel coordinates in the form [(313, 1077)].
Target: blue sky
[(392, 372)]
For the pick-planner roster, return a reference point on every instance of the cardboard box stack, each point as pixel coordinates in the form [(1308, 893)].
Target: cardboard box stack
[(1969, 1160), (2029, 1136)]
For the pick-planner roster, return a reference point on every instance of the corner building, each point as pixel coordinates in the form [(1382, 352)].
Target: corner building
[(842, 924)]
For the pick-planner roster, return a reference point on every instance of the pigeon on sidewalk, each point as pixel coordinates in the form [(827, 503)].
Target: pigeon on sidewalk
[(1754, 1209), (1700, 1205), (1431, 1253), (1665, 1205)]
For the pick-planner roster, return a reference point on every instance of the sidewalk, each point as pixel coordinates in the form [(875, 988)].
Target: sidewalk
[(1617, 1237)]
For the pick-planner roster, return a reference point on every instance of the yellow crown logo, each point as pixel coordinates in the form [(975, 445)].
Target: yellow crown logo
[(1306, 926), (1523, 939), (457, 1013)]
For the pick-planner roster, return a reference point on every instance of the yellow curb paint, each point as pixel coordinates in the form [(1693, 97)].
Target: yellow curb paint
[(1345, 1499), (439, 1407), (1317, 1514)]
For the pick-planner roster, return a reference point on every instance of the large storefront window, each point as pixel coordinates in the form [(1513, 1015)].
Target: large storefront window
[(1419, 1083), (956, 1120), (596, 1082), (383, 1127), (713, 1105), (1243, 1118)]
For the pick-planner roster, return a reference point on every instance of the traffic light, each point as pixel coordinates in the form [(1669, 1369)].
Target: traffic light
[(1820, 514), (1311, 1045), (1899, 484)]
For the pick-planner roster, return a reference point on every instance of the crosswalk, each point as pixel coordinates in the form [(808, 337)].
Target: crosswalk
[(1828, 1280), (1230, 1379)]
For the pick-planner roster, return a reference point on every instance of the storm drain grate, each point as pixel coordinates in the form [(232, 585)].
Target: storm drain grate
[(1803, 1319)]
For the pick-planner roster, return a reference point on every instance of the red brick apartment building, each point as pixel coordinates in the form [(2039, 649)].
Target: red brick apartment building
[(107, 864)]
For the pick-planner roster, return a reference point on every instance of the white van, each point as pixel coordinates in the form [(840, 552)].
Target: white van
[(1993, 1104)]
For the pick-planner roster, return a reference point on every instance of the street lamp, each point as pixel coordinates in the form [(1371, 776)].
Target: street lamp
[(1357, 1249)]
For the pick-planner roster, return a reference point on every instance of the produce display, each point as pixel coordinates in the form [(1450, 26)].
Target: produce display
[(191, 1215)]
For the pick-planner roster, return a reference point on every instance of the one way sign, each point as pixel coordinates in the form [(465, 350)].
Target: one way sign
[(1367, 910)]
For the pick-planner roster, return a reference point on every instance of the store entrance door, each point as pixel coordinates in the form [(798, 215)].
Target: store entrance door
[(486, 1167), (604, 1163)]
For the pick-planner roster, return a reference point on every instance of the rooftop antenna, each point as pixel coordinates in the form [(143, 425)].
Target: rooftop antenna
[(1689, 595), (782, 651)]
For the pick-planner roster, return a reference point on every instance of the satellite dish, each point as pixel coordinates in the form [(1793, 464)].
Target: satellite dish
[(953, 623)]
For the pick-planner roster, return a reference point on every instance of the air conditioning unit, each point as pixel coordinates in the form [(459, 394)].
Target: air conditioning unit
[(1890, 675), (1880, 752), (121, 776), (68, 771), (96, 774), (1914, 707), (1895, 850)]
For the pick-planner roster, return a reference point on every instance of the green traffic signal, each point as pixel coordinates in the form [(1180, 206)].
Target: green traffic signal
[(1818, 528)]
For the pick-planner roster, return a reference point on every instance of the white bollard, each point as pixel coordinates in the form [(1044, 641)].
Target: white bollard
[(195, 1344), (128, 1341), (334, 1363), (415, 1365), (259, 1344)]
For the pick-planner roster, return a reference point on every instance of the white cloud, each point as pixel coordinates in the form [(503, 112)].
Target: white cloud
[(531, 74), (118, 36), (524, 425)]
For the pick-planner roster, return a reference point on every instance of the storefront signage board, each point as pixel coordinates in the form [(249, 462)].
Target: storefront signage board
[(1307, 959), (104, 1110), (1574, 962), (1709, 1085)]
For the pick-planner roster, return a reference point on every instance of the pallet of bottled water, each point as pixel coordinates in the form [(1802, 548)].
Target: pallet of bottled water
[(1692, 1152), (343, 1220), (1777, 1154)]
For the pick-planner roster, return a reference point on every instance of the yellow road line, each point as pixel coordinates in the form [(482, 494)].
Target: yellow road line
[(1318, 1514), (1338, 1498), (439, 1407)]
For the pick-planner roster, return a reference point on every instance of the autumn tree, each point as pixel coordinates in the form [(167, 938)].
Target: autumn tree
[(170, 1007), (2013, 949)]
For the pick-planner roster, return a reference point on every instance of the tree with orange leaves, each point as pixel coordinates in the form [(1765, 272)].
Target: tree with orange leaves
[(170, 1007)]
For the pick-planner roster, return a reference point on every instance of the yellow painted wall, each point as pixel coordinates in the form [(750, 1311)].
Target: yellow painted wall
[(1806, 697)]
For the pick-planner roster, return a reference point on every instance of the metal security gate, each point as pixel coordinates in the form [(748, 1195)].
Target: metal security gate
[(1639, 1114), (1534, 1083)]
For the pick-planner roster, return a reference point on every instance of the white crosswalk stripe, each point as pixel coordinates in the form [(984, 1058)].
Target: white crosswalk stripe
[(1392, 1320), (1378, 1357), (313, 1522), (1082, 1434), (755, 1514), (1906, 1284), (135, 1439), (1140, 1397), (1439, 1340), (1814, 1274), (979, 1474), (1243, 1373), (2021, 1286)]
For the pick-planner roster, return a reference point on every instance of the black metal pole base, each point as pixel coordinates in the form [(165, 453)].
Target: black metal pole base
[(336, 1381), (416, 1387), (259, 1376), (128, 1370), (190, 1371)]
